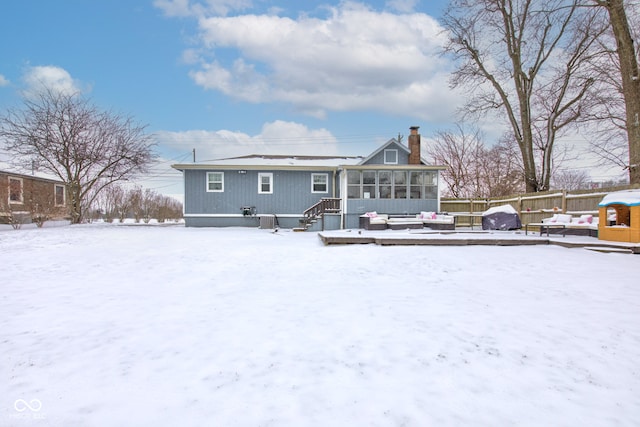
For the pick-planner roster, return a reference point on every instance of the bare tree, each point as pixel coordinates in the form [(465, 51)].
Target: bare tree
[(134, 200), (146, 204), (472, 169), (168, 208), (458, 151), (566, 179), (629, 85), (85, 147), (501, 169), (149, 205), (39, 200), (529, 60), (110, 201)]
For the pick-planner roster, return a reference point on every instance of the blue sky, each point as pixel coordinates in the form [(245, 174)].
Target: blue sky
[(235, 77)]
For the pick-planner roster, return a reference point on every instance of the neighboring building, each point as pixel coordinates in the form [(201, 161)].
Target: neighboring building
[(290, 191), (27, 198)]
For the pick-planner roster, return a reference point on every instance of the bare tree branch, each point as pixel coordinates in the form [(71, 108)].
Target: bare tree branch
[(86, 148)]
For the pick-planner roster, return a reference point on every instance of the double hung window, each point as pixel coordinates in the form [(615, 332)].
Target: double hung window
[(319, 183), (265, 183), (215, 182)]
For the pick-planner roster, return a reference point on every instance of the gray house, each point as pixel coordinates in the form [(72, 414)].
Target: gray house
[(331, 192)]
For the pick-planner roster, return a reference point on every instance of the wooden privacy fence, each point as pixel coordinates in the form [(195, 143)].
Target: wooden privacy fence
[(533, 207)]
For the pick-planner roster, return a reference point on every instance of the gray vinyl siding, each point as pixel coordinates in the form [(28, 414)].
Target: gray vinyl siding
[(291, 192), (378, 159)]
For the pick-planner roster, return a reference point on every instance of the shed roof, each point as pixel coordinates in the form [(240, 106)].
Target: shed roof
[(626, 197)]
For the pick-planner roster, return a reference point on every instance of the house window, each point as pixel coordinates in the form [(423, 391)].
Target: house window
[(265, 183), (59, 195), (399, 184), (354, 185), (319, 183), (15, 190), (388, 184), (215, 182), (385, 179), (390, 157), (369, 184)]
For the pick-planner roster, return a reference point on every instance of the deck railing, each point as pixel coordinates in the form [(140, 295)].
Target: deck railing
[(326, 205)]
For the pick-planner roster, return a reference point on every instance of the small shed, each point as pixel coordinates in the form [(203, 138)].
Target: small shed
[(619, 217)]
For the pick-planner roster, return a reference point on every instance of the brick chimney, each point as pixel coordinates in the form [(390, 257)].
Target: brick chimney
[(414, 146)]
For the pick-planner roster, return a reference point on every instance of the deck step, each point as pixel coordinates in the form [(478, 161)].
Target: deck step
[(605, 249)]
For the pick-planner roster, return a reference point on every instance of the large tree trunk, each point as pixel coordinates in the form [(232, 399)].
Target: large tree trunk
[(630, 82)]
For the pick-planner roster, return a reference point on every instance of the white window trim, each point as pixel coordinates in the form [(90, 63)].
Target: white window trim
[(270, 176), (64, 194), (207, 183), (326, 182), (386, 162), (16, 202)]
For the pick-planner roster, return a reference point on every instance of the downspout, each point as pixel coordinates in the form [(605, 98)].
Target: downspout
[(333, 184), (343, 202), (438, 185)]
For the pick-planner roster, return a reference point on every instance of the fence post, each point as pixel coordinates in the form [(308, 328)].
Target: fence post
[(564, 201)]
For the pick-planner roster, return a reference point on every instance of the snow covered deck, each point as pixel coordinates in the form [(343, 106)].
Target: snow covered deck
[(468, 238)]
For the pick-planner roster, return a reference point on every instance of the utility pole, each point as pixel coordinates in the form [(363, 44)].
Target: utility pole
[(194, 155)]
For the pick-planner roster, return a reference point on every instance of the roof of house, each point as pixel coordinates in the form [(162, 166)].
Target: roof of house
[(274, 160), (384, 146), (6, 169), (287, 161)]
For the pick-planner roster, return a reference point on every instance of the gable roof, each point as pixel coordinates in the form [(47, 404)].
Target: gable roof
[(386, 145)]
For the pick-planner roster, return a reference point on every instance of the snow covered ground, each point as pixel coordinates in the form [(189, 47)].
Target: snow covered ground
[(105, 325)]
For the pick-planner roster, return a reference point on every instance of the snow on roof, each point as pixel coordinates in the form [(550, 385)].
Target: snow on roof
[(12, 170), (504, 208), (626, 197), (278, 160)]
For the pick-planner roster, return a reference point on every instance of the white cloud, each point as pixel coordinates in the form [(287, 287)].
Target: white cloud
[(356, 58), (49, 77), (3, 81), (278, 137)]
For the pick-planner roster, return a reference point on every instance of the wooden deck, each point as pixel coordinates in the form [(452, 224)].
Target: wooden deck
[(468, 238)]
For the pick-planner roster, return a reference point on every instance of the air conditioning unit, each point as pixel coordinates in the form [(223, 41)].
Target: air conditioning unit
[(267, 222)]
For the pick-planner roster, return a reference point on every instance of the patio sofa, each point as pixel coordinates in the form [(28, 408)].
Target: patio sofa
[(436, 221), (584, 225), (376, 221)]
